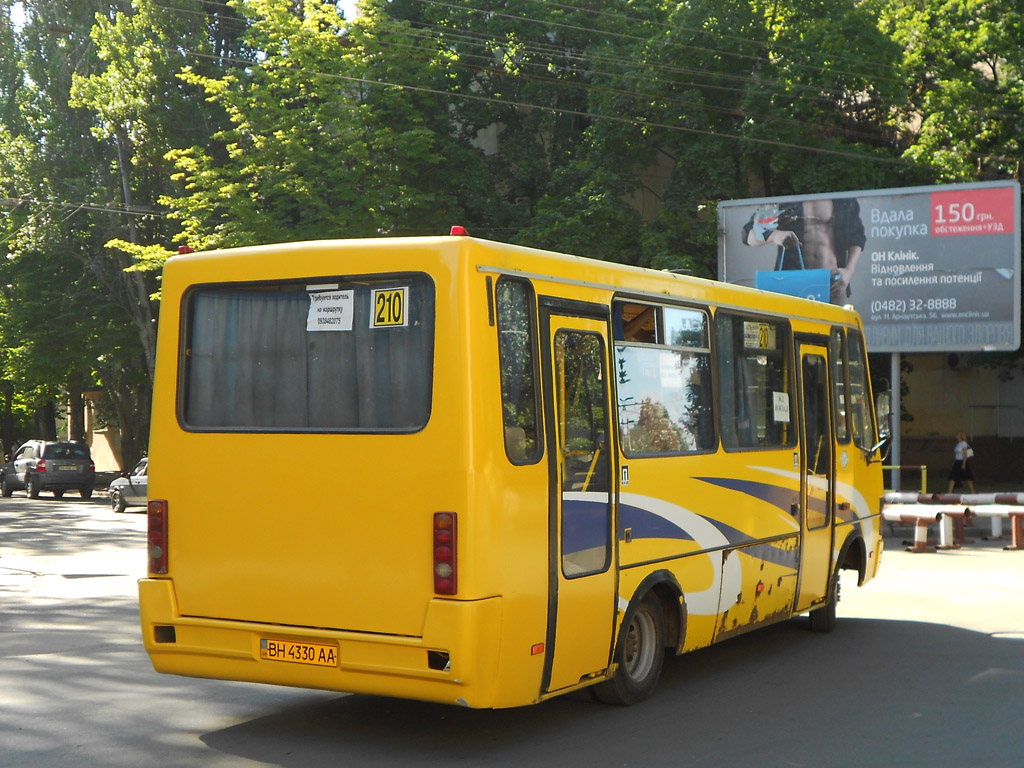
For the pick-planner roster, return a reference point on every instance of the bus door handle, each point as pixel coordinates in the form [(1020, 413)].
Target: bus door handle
[(794, 510)]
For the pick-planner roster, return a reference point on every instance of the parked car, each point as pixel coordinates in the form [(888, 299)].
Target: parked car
[(130, 488), (49, 465)]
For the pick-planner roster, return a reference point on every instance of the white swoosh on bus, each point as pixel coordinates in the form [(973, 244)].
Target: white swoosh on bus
[(844, 491), (727, 580)]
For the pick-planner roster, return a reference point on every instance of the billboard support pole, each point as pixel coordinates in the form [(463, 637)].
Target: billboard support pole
[(896, 421)]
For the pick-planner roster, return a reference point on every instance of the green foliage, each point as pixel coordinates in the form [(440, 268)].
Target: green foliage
[(324, 140), (607, 128), (962, 65)]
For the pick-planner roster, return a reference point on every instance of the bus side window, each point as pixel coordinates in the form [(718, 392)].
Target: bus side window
[(839, 388), (517, 360), (663, 373), (860, 394), (755, 381)]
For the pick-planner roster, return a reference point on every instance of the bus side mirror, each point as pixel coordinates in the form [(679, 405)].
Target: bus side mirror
[(883, 413)]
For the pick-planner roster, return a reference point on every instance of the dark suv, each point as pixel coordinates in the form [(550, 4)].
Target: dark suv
[(42, 465)]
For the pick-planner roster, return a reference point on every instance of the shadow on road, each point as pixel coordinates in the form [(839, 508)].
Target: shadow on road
[(874, 693), (43, 527)]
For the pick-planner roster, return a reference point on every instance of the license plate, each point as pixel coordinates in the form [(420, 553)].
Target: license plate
[(68, 468), (299, 653)]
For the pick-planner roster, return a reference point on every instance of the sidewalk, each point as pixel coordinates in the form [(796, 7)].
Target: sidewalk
[(978, 587)]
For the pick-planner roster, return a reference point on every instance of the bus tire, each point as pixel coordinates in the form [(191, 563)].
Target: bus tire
[(824, 619), (639, 655)]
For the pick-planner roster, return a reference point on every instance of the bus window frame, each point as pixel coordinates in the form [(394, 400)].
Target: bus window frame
[(872, 419), (840, 386), (790, 372), (660, 329), (186, 343), (535, 350)]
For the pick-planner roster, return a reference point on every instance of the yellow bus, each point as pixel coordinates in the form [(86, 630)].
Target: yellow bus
[(462, 471)]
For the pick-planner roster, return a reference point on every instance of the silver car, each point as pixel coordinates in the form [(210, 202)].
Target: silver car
[(130, 488), (45, 465)]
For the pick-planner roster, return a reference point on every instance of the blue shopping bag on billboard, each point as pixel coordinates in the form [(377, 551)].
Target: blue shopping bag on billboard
[(814, 284)]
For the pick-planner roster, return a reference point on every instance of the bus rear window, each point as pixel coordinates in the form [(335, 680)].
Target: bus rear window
[(317, 355)]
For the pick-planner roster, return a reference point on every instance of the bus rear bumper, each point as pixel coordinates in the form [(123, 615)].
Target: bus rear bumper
[(454, 662)]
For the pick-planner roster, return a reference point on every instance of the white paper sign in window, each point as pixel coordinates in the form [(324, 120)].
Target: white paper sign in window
[(781, 403), (330, 311)]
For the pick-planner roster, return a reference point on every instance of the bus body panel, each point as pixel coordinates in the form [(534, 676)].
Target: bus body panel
[(324, 538), (315, 505), (742, 527), (367, 663)]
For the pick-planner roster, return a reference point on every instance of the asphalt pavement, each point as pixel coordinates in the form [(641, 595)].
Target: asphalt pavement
[(926, 668)]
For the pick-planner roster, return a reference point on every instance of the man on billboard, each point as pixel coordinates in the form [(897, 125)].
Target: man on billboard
[(822, 238)]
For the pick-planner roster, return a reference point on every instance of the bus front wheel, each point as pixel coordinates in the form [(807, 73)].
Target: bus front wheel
[(824, 619), (639, 655)]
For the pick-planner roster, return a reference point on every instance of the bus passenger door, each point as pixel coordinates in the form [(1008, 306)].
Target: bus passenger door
[(581, 580), (817, 476)]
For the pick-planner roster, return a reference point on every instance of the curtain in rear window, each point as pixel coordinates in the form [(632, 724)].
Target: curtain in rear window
[(256, 360)]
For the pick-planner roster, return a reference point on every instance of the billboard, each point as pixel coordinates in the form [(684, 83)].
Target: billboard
[(929, 269)]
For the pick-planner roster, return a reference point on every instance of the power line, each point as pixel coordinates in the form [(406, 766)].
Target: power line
[(546, 51), (550, 50), (14, 202)]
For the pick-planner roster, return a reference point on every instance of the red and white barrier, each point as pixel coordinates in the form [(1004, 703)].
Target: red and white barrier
[(953, 511)]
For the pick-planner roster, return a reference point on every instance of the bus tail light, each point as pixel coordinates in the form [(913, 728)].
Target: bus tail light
[(157, 539), (445, 554)]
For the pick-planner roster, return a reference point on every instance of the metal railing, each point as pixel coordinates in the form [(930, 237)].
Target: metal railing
[(898, 468)]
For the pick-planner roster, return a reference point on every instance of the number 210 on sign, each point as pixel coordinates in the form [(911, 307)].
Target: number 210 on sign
[(389, 307)]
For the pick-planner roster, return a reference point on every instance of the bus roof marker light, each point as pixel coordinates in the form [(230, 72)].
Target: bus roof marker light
[(459, 231)]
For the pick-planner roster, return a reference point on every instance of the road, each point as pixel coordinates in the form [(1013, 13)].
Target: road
[(926, 668)]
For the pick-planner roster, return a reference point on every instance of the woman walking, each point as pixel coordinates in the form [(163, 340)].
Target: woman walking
[(962, 455)]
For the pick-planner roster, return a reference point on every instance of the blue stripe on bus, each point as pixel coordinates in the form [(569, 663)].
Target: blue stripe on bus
[(769, 553), (584, 524), (777, 496), (647, 525), (847, 515)]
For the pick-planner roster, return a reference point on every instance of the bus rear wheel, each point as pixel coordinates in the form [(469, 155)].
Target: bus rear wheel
[(639, 655)]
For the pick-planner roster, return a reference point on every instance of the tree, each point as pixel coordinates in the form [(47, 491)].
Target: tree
[(81, 151), (330, 135), (964, 71), (49, 175), (141, 110)]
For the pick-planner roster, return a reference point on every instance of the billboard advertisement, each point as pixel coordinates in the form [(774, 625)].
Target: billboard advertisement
[(929, 269)]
